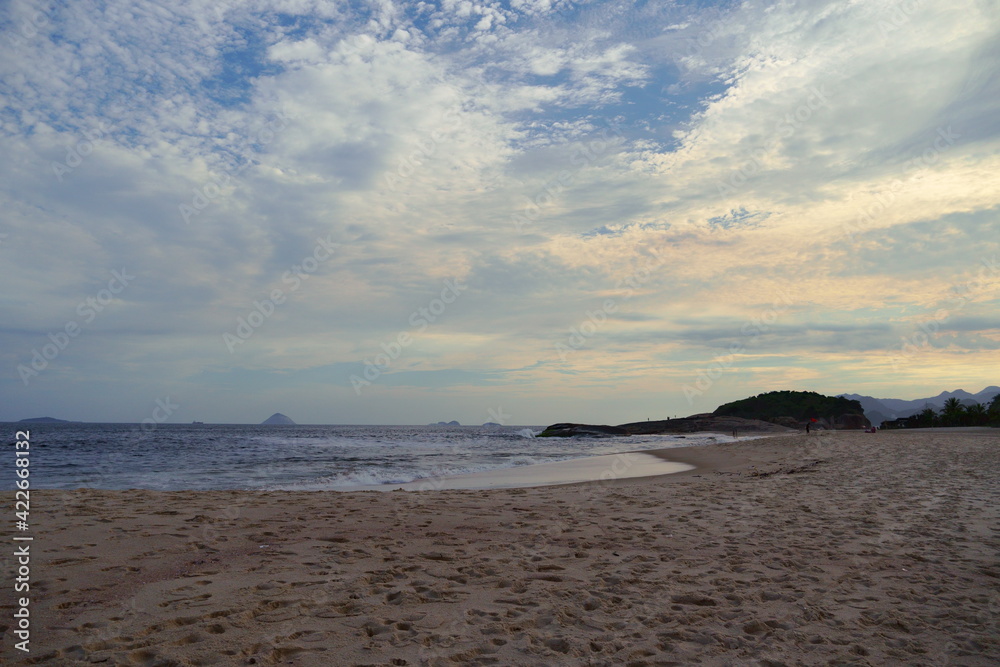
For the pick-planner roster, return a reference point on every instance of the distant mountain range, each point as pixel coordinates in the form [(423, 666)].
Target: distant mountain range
[(879, 410)]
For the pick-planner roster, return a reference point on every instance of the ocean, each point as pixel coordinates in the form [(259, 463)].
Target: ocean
[(175, 457)]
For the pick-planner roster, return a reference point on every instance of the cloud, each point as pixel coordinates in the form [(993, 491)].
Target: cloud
[(693, 166)]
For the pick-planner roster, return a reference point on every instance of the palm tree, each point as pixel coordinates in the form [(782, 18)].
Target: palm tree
[(976, 415), (927, 417), (951, 413)]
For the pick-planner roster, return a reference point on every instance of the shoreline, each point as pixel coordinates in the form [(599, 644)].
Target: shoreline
[(727, 457), (797, 549), (594, 469), (720, 458), (583, 470)]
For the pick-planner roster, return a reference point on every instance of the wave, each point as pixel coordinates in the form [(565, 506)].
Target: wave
[(378, 476), (370, 476)]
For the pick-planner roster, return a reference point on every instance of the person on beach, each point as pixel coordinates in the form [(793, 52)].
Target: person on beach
[(807, 427)]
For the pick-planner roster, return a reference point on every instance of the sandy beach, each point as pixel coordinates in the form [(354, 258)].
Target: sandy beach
[(833, 548)]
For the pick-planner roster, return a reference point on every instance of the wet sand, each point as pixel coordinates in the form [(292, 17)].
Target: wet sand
[(836, 548), (626, 465)]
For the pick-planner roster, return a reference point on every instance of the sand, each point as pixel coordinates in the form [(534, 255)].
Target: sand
[(836, 548)]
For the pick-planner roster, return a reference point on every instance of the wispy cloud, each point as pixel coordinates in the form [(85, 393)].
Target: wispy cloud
[(750, 150)]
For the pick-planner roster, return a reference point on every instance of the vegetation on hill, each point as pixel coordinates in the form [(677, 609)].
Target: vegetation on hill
[(800, 405)]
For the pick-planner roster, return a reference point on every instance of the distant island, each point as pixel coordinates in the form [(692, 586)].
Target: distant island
[(451, 423), (44, 420), (278, 419), (772, 412)]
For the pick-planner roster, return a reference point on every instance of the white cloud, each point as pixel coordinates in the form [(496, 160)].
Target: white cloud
[(416, 134)]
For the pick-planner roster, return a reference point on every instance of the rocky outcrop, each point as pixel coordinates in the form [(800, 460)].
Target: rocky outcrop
[(582, 430), (789, 422), (848, 422), (695, 424), (706, 422)]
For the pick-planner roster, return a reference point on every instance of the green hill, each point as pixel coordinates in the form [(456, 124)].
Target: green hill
[(800, 405)]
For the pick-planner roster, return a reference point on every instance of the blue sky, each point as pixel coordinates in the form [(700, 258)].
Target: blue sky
[(642, 208)]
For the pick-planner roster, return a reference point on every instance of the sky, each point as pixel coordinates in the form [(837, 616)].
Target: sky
[(524, 212)]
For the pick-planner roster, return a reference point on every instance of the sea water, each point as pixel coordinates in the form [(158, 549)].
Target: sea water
[(307, 458)]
